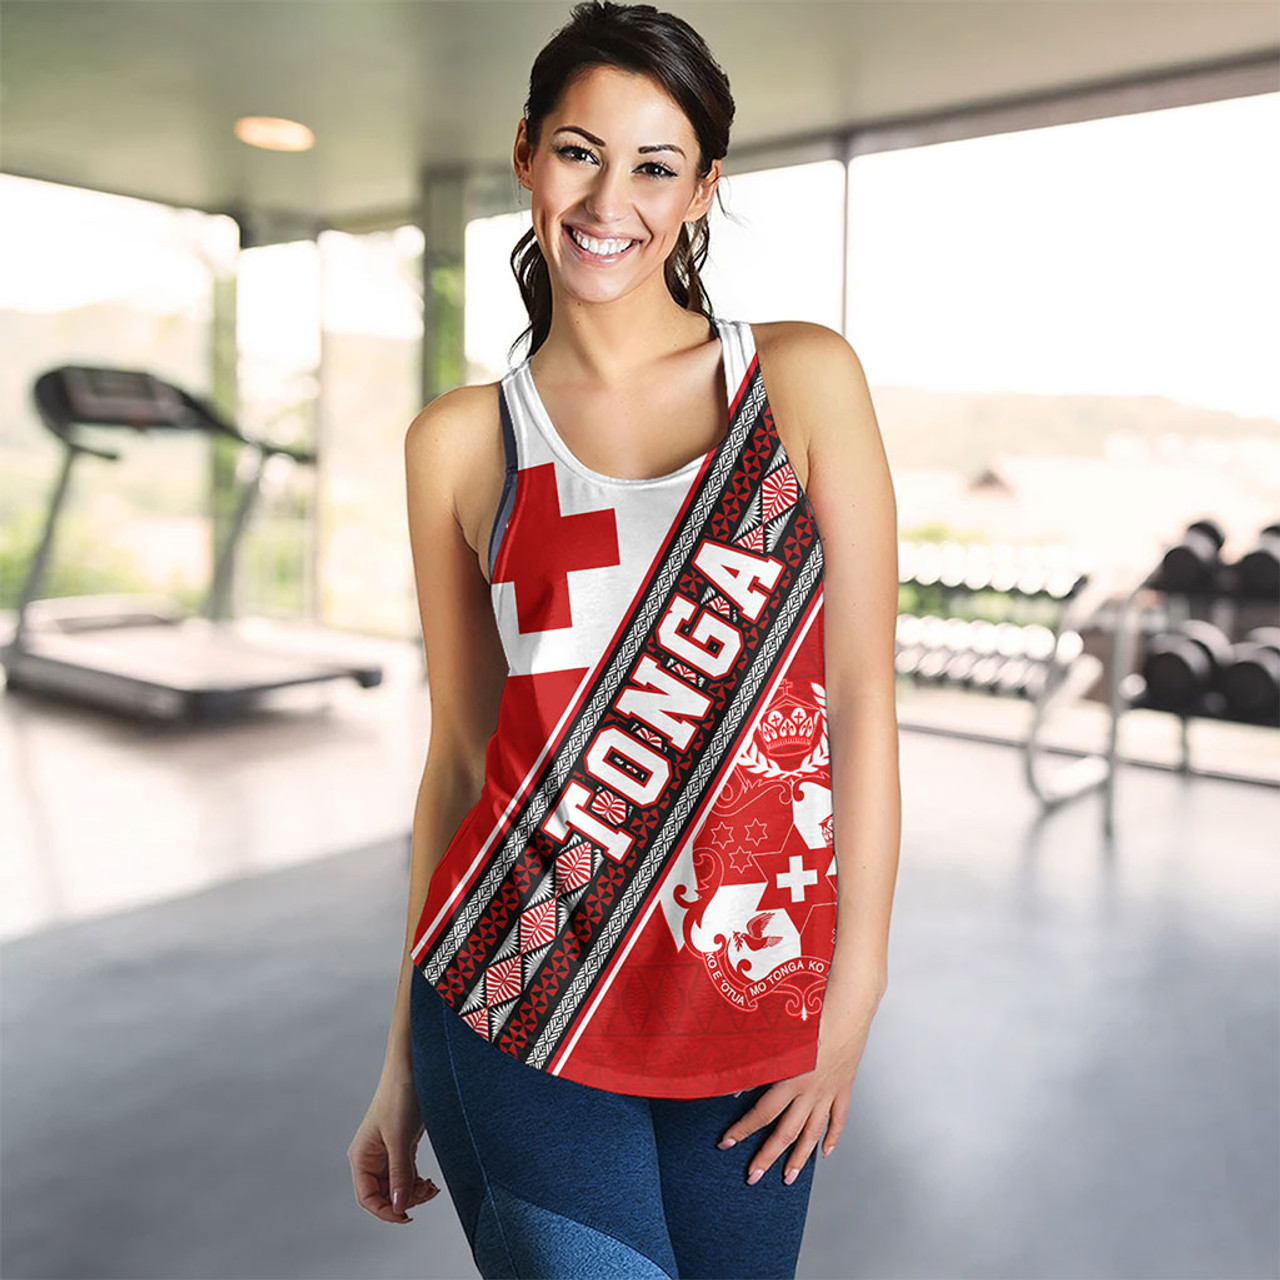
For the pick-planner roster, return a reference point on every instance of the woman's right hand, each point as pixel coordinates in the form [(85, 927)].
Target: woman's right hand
[(383, 1154)]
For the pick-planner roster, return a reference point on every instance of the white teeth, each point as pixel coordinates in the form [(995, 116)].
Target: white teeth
[(602, 247)]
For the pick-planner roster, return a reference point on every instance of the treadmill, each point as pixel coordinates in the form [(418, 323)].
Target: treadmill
[(141, 655)]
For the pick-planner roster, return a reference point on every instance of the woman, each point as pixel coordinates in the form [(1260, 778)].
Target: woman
[(625, 1013)]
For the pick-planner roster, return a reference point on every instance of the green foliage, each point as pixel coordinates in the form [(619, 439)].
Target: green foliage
[(80, 564), (273, 567), (946, 602)]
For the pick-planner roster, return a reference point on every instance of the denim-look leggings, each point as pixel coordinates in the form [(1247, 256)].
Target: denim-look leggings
[(557, 1180)]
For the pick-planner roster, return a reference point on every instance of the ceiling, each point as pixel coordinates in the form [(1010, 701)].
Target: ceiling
[(138, 96)]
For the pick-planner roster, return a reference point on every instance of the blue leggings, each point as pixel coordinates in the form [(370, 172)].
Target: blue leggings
[(555, 1179)]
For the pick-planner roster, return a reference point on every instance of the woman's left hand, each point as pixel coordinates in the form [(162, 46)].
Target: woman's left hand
[(813, 1102)]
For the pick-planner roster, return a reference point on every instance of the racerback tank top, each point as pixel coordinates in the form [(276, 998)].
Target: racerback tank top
[(643, 899)]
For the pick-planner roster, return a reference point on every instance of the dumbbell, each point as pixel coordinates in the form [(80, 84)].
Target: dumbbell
[(919, 644), (1024, 672), (952, 561), (908, 644), (976, 667), (926, 564), (933, 635), (995, 645), (1182, 665), (960, 640), (1258, 570), (1193, 563), (1032, 572), (1250, 681)]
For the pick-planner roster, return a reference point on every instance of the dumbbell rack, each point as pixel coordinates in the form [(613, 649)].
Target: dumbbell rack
[(1064, 671), (1070, 674), (1124, 693)]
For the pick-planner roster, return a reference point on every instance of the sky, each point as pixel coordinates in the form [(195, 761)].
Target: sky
[(1134, 255)]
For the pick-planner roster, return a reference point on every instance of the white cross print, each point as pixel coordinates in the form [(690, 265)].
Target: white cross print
[(796, 878)]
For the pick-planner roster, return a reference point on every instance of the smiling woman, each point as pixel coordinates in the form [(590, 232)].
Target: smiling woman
[(600, 198), (621, 965), (614, 142)]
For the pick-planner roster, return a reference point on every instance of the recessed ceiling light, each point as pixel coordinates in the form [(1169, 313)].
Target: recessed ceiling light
[(273, 134)]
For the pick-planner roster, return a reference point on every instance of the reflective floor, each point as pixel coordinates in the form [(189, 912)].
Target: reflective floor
[(1075, 1072)]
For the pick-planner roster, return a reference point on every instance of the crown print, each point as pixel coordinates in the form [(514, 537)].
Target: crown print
[(787, 731)]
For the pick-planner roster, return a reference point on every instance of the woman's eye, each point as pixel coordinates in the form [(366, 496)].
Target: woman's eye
[(572, 152)]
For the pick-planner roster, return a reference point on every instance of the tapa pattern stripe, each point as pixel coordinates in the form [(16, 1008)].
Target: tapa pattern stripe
[(561, 762), (692, 796), (538, 1007)]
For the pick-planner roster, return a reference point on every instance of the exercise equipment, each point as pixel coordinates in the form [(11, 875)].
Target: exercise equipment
[(1250, 680), (1034, 652), (139, 654), (1259, 569), (1181, 667), (1189, 665), (1193, 563)]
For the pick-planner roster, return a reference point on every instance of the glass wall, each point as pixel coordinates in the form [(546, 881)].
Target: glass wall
[(1070, 333), (495, 313), (778, 254), (759, 267), (278, 369), (370, 392), (87, 278)]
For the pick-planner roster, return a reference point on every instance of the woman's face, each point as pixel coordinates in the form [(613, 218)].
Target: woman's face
[(617, 164)]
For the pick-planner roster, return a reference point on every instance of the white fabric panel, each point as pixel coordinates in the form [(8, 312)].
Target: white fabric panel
[(644, 511)]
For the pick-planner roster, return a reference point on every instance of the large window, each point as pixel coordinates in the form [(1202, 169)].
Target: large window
[(98, 279), (278, 371), (495, 313), (776, 254), (371, 390), (1070, 332), (779, 253)]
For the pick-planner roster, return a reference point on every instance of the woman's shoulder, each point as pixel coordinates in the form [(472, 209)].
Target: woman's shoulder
[(457, 435), (816, 382), (456, 409), (800, 345), (455, 422)]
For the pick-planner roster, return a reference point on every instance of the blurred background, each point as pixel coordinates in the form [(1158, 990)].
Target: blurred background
[(270, 232)]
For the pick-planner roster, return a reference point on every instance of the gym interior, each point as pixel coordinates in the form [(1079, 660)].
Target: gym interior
[(243, 244)]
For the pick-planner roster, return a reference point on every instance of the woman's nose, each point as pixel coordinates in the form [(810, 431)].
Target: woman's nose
[(607, 199)]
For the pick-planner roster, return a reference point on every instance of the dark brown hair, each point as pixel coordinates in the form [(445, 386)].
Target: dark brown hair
[(639, 38)]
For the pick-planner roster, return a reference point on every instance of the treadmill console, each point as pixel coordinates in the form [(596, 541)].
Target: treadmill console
[(121, 397)]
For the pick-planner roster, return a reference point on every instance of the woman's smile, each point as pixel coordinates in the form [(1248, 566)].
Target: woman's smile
[(604, 252)]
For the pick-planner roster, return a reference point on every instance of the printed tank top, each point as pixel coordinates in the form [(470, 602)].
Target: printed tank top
[(643, 899)]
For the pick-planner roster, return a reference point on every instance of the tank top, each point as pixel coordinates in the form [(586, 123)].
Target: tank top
[(643, 899)]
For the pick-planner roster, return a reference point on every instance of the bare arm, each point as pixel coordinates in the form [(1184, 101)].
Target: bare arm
[(819, 394), (466, 668), (852, 496)]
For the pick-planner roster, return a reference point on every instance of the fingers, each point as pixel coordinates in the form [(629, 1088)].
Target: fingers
[(786, 1131), (408, 1190), (423, 1190), (768, 1105), (800, 1128), (373, 1195), (839, 1112), (384, 1194), (803, 1148)]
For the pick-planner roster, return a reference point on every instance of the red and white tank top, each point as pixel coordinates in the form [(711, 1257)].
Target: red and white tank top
[(644, 897)]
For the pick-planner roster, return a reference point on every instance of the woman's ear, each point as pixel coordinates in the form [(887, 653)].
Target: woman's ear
[(520, 154), (704, 193)]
